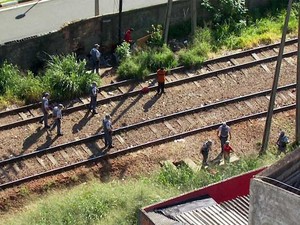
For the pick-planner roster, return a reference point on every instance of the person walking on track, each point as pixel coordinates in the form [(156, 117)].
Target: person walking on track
[(45, 110), (107, 126), (93, 93), (57, 114), (224, 133), (161, 77)]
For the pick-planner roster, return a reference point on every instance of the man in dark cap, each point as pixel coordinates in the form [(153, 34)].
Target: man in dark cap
[(45, 110), (95, 54), (93, 93), (107, 127), (57, 115)]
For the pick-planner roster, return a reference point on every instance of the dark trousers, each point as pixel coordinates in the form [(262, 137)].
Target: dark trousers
[(57, 123), (223, 140), (45, 118), (96, 65), (205, 157), (93, 103), (107, 138), (161, 87)]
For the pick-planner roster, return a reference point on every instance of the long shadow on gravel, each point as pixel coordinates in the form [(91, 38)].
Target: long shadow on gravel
[(78, 126), (151, 102), (48, 143), (29, 141)]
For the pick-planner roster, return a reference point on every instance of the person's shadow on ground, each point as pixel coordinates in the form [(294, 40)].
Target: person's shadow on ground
[(29, 141), (151, 102), (49, 141), (78, 126)]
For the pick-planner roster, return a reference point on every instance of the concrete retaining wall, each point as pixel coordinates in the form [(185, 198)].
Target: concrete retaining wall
[(79, 37), (271, 205)]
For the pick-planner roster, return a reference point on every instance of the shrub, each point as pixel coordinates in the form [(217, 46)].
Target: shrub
[(130, 68), (9, 77), (198, 50), (231, 12), (163, 57), (123, 51), (156, 37), (29, 88), (66, 78)]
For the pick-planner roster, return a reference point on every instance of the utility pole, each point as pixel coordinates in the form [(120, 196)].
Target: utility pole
[(298, 86), (275, 83), (120, 20), (96, 7), (167, 20), (194, 16)]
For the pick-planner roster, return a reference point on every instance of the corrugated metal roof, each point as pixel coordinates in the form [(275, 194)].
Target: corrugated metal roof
[(233, 212)]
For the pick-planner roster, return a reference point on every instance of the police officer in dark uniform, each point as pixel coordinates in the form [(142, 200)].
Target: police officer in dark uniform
[(93, 94), (107, 127), (224, 133), (45, 110), (205, 149), (57, 114)]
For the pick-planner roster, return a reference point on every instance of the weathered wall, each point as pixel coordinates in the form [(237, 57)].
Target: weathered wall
[(270, 205), (80, 36)]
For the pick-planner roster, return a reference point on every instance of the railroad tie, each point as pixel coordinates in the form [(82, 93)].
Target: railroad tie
[(169, 126), (264, 66)]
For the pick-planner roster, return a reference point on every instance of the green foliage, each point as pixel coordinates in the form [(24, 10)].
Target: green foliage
[(130, 68), (123, 50), (9, 77), (143, 62), (156, 37), (66, 78), (29, 88), (93, 203), (230, 12), (198, 50)]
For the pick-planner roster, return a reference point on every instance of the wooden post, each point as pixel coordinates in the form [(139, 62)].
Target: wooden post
[(167, 21), (298, 86), (120, 20), (275, 83), (97, 8), (194, 16)]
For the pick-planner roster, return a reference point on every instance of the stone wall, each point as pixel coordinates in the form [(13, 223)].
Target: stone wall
[(79, 36)]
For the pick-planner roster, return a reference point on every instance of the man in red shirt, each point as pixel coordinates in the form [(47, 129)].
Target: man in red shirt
[(161, 77), (227, 150), (128, 37)]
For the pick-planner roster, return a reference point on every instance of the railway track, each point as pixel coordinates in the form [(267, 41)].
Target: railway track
[(31, 113), (34, 161), (159, 130)]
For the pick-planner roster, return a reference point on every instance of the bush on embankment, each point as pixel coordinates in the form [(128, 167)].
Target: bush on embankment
[(64, 78), (118, 202)]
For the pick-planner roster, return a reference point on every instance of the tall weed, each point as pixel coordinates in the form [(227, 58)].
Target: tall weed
[(67, 78)]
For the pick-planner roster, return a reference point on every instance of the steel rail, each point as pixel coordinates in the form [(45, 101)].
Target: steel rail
[(169, 84), (138, 147), (152, 75), (143, 123)]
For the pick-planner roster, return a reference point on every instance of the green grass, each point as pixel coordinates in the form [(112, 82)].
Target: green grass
[(118, 202)]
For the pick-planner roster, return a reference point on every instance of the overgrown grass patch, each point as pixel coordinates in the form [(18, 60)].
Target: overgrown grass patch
[(143, 62), (93, 203), (118, 202)]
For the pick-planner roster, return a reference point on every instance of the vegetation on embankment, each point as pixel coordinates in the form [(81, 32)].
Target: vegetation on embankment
[(118, 202), (230, 28), (64, 78)]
